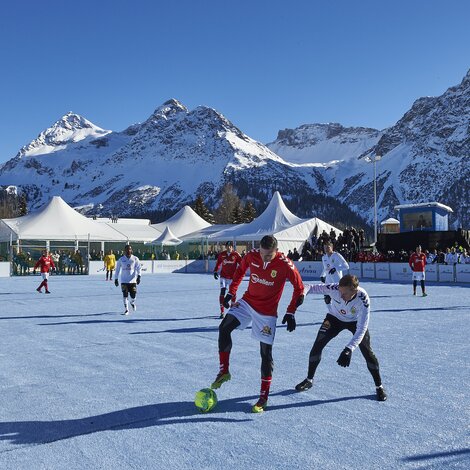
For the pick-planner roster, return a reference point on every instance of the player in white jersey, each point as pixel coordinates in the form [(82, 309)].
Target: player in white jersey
[(349, 310), (129, 267), (333, 265)]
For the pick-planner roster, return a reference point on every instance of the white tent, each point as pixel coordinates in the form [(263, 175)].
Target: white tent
[(167, 238), (57, 221), (183, 222), (290, 230), (135, 230)]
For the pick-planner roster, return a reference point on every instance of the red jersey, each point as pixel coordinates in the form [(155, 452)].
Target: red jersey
[(229, 262), (267, 282), (417, 262), (46, 264)]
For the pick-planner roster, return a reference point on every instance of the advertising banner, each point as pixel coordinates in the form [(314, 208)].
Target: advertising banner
[(446, 273), (196, 266), (309, 269), (462, 272), (368, 270), (431, 272), (355, 269), (96, 268), (4, 269), (382, 271), (169, 266), (400, 272)]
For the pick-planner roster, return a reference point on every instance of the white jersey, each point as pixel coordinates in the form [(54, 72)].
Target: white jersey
[(129, 268), (356, 310), (334, 261)]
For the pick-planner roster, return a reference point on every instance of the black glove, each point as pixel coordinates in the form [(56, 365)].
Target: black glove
[(323, 279), (138, 280), (300, 300), (327, 299), (216, 275), (116, 282), (227, 300), (289, 318), (344, 358), (332, 271)]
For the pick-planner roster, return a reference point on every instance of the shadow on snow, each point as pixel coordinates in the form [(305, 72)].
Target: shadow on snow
[(43, 432)]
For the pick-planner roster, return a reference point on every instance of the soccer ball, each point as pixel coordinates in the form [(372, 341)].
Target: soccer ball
[(205, 400)]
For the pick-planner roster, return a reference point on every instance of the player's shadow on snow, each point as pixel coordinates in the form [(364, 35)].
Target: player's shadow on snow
[(310, 403), (57, 316), (140, 417), (423, 309), (207, 329), (446, 458), (120, 319)]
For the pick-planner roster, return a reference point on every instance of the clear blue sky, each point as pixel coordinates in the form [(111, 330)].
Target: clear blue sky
[(265, 64)]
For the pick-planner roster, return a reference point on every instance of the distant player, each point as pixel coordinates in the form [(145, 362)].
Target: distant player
[(417, 264), (229, 260), (129, 267), (269, 271), (349, 310), (333, 265), (46, 263), (109, 264)]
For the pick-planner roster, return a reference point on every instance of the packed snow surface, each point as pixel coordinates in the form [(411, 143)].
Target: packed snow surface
[(84, 387)]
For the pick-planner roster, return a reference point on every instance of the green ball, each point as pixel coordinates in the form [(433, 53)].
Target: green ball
[(205, 400)]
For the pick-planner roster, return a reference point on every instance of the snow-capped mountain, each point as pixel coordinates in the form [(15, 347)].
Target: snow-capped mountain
[(323, 143), (160, 164), (425, 157), (320, 169)]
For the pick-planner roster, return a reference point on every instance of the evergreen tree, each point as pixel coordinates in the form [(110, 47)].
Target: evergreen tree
[(201, 210), (249, 213), (236, 217), (229, 201), (23, 206)]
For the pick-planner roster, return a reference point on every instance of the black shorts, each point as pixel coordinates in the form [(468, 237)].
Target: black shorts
[(129, 288)]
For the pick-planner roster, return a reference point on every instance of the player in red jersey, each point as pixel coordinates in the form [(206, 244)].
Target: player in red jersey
[(229, 260), (46, 263), (417, 264), (269, 270)]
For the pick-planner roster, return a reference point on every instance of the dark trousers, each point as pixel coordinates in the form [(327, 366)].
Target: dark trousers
[(230, 323), (330, 328)]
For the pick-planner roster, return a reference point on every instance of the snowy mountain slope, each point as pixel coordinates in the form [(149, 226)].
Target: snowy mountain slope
[(425, 157), (164, 162), (161, 163), (323, 143)]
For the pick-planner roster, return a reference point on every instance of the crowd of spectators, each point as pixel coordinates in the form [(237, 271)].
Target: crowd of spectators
[(350, 244)]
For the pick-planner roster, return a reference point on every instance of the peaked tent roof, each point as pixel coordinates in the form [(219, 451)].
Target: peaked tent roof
[(290, 230), (135, 230), (57, 221), (276, 217), (167, 238), (390, 221), (183, 222)]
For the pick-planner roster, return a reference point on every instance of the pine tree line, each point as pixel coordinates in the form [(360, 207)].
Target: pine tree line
[(12, 204), (231, 210)]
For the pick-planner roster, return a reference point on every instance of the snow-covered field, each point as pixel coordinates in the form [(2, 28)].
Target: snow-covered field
[(83, 387)]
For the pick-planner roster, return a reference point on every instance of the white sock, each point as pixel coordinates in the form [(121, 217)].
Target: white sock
[(125, 303)]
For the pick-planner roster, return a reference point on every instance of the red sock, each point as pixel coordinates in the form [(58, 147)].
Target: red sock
[(265, 385), (221, 302), (41, 285), (224, 358)]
